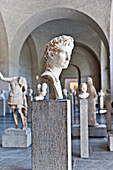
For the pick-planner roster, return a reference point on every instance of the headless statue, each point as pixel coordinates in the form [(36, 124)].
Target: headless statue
[(17, 98), (57, 54), (91, 102)]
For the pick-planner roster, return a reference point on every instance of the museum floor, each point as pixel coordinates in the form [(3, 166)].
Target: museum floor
[(20, 159)]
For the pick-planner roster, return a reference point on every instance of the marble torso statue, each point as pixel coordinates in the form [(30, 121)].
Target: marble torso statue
[(91, 102), (17, 97)]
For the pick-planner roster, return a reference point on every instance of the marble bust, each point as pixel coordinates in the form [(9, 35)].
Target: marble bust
[(17, 98), (42, 90), (57, 54), (91, 102), (65, 93), (30, 92), (83, 88)]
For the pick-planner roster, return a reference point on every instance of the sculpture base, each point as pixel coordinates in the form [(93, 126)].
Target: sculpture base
[(96, 131), (16, 138)]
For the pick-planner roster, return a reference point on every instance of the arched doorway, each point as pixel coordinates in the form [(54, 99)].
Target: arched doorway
[(64, 15)]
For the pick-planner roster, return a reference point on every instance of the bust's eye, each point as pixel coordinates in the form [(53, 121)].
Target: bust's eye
[(52, 54)]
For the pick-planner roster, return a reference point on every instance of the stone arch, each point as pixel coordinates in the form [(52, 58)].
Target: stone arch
[(48, 15), (79, 74), (3, 40), (4, 60), (111, 53), (33, 61), (82, 53)]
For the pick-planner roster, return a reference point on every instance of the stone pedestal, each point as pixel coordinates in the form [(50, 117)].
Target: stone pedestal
[(108, 108), (110, 141), (16, 138), (72, 110), (84, 128), (2, 107), (30, 99), (97, 131), (51, 135)]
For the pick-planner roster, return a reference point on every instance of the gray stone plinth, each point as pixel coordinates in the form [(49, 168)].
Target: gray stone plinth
[(110, 141), (16, 138), (108, 115), (30, 99), (97, 131), (51, 135), (2, 107), (84, 146)]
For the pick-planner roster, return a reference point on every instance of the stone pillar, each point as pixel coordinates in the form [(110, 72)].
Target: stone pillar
[(104, 68), (108, 108), (84, 128), (51, 135), (72, 110), (2, 107), (30, 98), (111, 53)]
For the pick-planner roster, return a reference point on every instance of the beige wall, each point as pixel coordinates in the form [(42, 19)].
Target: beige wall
[(25, 63), (88, 65)]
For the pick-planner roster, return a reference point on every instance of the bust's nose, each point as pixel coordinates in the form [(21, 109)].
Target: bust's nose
[(67, 56)]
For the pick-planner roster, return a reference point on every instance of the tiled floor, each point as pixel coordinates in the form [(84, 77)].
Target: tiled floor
[(13, 158), (20, 159)]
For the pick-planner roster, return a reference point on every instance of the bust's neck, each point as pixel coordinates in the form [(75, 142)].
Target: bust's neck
[(56, 71)]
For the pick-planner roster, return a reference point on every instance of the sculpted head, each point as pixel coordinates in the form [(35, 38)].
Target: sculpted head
[(89, 81), (30, 91), (58, 51), (83, 87)]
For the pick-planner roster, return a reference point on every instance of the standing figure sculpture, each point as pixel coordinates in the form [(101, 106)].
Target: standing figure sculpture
[(17, 98), (57, 54), (91, 102)]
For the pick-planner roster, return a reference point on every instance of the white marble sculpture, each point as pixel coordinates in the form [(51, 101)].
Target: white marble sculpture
[(42, 90), (30, 99), (91, 102), (83, 88), (57, 54), (17, 98), (65, 93), (2, 103), (101, 94), (2, 94), (72, 91), (30, 92)]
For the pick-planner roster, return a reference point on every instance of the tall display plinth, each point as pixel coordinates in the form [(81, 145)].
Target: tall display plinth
[(51, 135), (84, 148), (13, 137)]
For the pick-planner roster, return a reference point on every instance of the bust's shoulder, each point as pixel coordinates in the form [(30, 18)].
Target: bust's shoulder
[(48, 75)]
